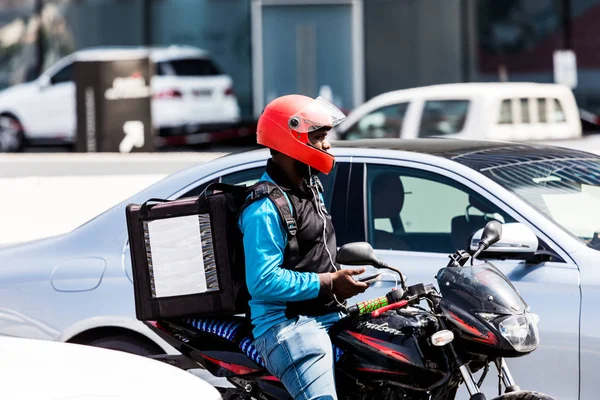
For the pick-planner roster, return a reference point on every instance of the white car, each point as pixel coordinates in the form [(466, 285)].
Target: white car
[(189, 90), (514, 111), (44, 370)]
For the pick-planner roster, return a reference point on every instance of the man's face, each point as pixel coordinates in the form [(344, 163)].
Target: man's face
[(318, 139)]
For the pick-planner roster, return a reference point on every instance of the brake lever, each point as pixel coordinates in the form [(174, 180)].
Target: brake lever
[(400, 304)]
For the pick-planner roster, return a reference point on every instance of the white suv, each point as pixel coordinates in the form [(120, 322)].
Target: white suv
[(189, 91)]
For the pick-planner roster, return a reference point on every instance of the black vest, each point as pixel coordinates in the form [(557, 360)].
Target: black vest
[(311, 215)]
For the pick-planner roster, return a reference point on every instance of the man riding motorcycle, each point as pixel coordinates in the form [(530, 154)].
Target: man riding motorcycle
[(295, 300)]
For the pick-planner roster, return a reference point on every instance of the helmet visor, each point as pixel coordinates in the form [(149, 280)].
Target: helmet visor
[(316, 115)]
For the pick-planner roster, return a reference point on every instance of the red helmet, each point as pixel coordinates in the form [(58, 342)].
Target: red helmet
[(286, 121)]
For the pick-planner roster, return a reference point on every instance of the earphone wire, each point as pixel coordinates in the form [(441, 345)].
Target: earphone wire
[(320, 212)]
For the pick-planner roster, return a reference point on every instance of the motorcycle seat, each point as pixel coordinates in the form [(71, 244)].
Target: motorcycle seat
[(237, 330)]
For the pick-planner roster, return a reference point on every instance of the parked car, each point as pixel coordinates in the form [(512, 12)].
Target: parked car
[(499, 111), (42, 370), (189, 91), (415, 201)]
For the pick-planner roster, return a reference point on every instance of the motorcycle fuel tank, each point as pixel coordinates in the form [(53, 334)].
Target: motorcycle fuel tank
[(392, 347)]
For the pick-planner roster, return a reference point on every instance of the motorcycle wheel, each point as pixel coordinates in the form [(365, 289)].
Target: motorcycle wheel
[(524, 395)]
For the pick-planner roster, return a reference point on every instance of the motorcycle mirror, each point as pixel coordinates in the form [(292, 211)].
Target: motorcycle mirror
[(491, 234), (361, 253), (357, 253)]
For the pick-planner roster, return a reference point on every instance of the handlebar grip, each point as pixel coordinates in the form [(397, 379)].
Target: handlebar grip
[(368, 306)]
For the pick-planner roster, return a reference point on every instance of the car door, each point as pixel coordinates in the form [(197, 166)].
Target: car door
[(54, 114), (416, 214)]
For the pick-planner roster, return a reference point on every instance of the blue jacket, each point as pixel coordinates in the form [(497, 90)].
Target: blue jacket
[(270, 285)]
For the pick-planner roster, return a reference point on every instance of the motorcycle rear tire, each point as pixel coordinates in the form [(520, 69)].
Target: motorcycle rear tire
[(524, 395)]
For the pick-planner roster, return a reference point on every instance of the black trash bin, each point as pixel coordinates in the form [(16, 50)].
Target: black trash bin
[(114, 102)]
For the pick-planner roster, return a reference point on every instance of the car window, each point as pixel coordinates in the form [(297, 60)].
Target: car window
[(249, 177), (542, 110), (385, 122), (524, 111), (443, 117), (246, 177), (505, 112), (196, 191), (188, 67), (558, 114), (64, 75), (414, 210)]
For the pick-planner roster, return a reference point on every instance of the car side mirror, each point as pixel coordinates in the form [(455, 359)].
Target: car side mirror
[(516, 239), (357, 253)]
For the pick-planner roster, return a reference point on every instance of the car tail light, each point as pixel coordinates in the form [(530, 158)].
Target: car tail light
[(168, 94), (229, 92)]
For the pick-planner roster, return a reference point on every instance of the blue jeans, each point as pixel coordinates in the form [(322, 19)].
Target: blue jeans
[(298, 352)]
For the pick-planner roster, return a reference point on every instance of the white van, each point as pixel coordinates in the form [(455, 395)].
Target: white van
[(495, 111)]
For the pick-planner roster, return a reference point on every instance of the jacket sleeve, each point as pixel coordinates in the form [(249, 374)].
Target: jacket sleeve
[(264, 241)]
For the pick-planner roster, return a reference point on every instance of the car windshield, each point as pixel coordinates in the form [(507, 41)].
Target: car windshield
[(443, 117), (566, 190)]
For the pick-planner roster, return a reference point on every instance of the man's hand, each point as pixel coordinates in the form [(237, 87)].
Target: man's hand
[(344, 285)]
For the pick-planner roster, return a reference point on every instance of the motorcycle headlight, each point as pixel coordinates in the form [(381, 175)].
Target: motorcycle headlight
[(520, 331)]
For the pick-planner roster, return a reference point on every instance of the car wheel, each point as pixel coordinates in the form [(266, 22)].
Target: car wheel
[(12, 137), (127, 344)]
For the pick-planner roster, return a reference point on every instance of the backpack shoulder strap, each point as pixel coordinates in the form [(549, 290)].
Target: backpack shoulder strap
[(275, 193)]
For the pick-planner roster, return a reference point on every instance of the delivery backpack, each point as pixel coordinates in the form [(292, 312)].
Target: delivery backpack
[(187, 254)]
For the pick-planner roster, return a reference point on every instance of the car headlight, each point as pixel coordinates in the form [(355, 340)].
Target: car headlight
[(520, 331)]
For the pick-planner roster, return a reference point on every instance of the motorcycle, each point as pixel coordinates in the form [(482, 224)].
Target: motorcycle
[(414, 343)]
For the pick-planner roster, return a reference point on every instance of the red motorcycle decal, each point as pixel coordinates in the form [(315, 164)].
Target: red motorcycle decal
[(235, 368), (380, 345), (490, 338), (269, 378)]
